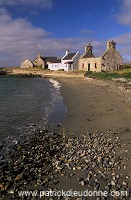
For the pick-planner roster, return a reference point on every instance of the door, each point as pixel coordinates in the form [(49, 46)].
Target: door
[(88, 66)]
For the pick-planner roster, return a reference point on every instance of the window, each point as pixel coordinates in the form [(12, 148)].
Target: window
[(95, 65), (82, 65)]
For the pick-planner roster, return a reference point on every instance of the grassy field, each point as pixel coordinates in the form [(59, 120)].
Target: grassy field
[(127, 65), (124, 73)]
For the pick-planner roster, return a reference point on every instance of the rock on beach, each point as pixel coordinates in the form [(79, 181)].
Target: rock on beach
[(53, 155)]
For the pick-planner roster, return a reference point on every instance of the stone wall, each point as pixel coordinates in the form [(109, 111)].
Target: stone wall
[(112, 60), (26, 64), (90, 64), (39, 62)]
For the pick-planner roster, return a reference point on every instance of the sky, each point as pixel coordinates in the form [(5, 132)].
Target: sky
[(50, 27)]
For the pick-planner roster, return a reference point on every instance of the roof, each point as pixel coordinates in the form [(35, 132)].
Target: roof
[(50, 59), (69, 56), (56, 61), (88, 54)]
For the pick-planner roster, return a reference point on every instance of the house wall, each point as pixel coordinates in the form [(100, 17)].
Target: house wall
[(112, 60), (64, 61), (76, 61), (59, 66), (26, 64), (90, 64), (39, 62)]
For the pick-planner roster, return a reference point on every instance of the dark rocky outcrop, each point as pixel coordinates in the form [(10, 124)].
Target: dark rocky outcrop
[(2, 72)]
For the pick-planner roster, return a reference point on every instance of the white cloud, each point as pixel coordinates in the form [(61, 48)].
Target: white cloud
[(31, 3), (20, 40), (124, 17), (124, 45), (124, 39)]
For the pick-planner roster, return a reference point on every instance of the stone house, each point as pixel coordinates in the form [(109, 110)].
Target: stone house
[(69, 62), (43, 62), (109, 61), (26, 64)]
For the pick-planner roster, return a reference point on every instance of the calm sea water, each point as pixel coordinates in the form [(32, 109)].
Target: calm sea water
[(25, 102)]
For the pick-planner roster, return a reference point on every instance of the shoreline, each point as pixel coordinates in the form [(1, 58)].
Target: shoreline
[(98, 118)]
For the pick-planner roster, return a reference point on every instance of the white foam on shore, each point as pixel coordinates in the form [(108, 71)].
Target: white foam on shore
[(55, 83), (56, 106)]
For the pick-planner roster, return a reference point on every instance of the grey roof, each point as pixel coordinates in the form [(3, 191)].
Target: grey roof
[(69, 56), (50, 59), (57, 61), (88, 54)]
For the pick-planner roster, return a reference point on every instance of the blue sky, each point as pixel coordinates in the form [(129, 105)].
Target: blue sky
[(50, 27)]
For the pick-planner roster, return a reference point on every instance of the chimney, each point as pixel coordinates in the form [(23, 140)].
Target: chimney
[(38, 55), (111, 45), (67, 52), (88, 48)]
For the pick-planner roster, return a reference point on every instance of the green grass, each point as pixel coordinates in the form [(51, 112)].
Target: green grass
[(127, 65), (110, 75)]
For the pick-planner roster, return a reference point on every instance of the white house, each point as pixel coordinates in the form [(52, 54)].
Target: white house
[(69, 62)]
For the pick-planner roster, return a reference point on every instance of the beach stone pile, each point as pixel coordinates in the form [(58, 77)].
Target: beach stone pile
[(53, 154)]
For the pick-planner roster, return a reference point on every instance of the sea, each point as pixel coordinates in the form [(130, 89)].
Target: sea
[(26, 103)]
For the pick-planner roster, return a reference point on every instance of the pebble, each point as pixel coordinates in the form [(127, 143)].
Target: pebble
[(50, 153), (82, 183), (124, 183), (112, 182)]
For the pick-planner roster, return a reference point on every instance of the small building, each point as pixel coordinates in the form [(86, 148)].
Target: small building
[(26, 64), (69, 62), (88, 62), (49, 60), (109, 61), (43, 62), (39, 61)]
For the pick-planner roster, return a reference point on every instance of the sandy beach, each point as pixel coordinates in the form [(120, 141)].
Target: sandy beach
[(89, 151), (96, 104), (100, 106)]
